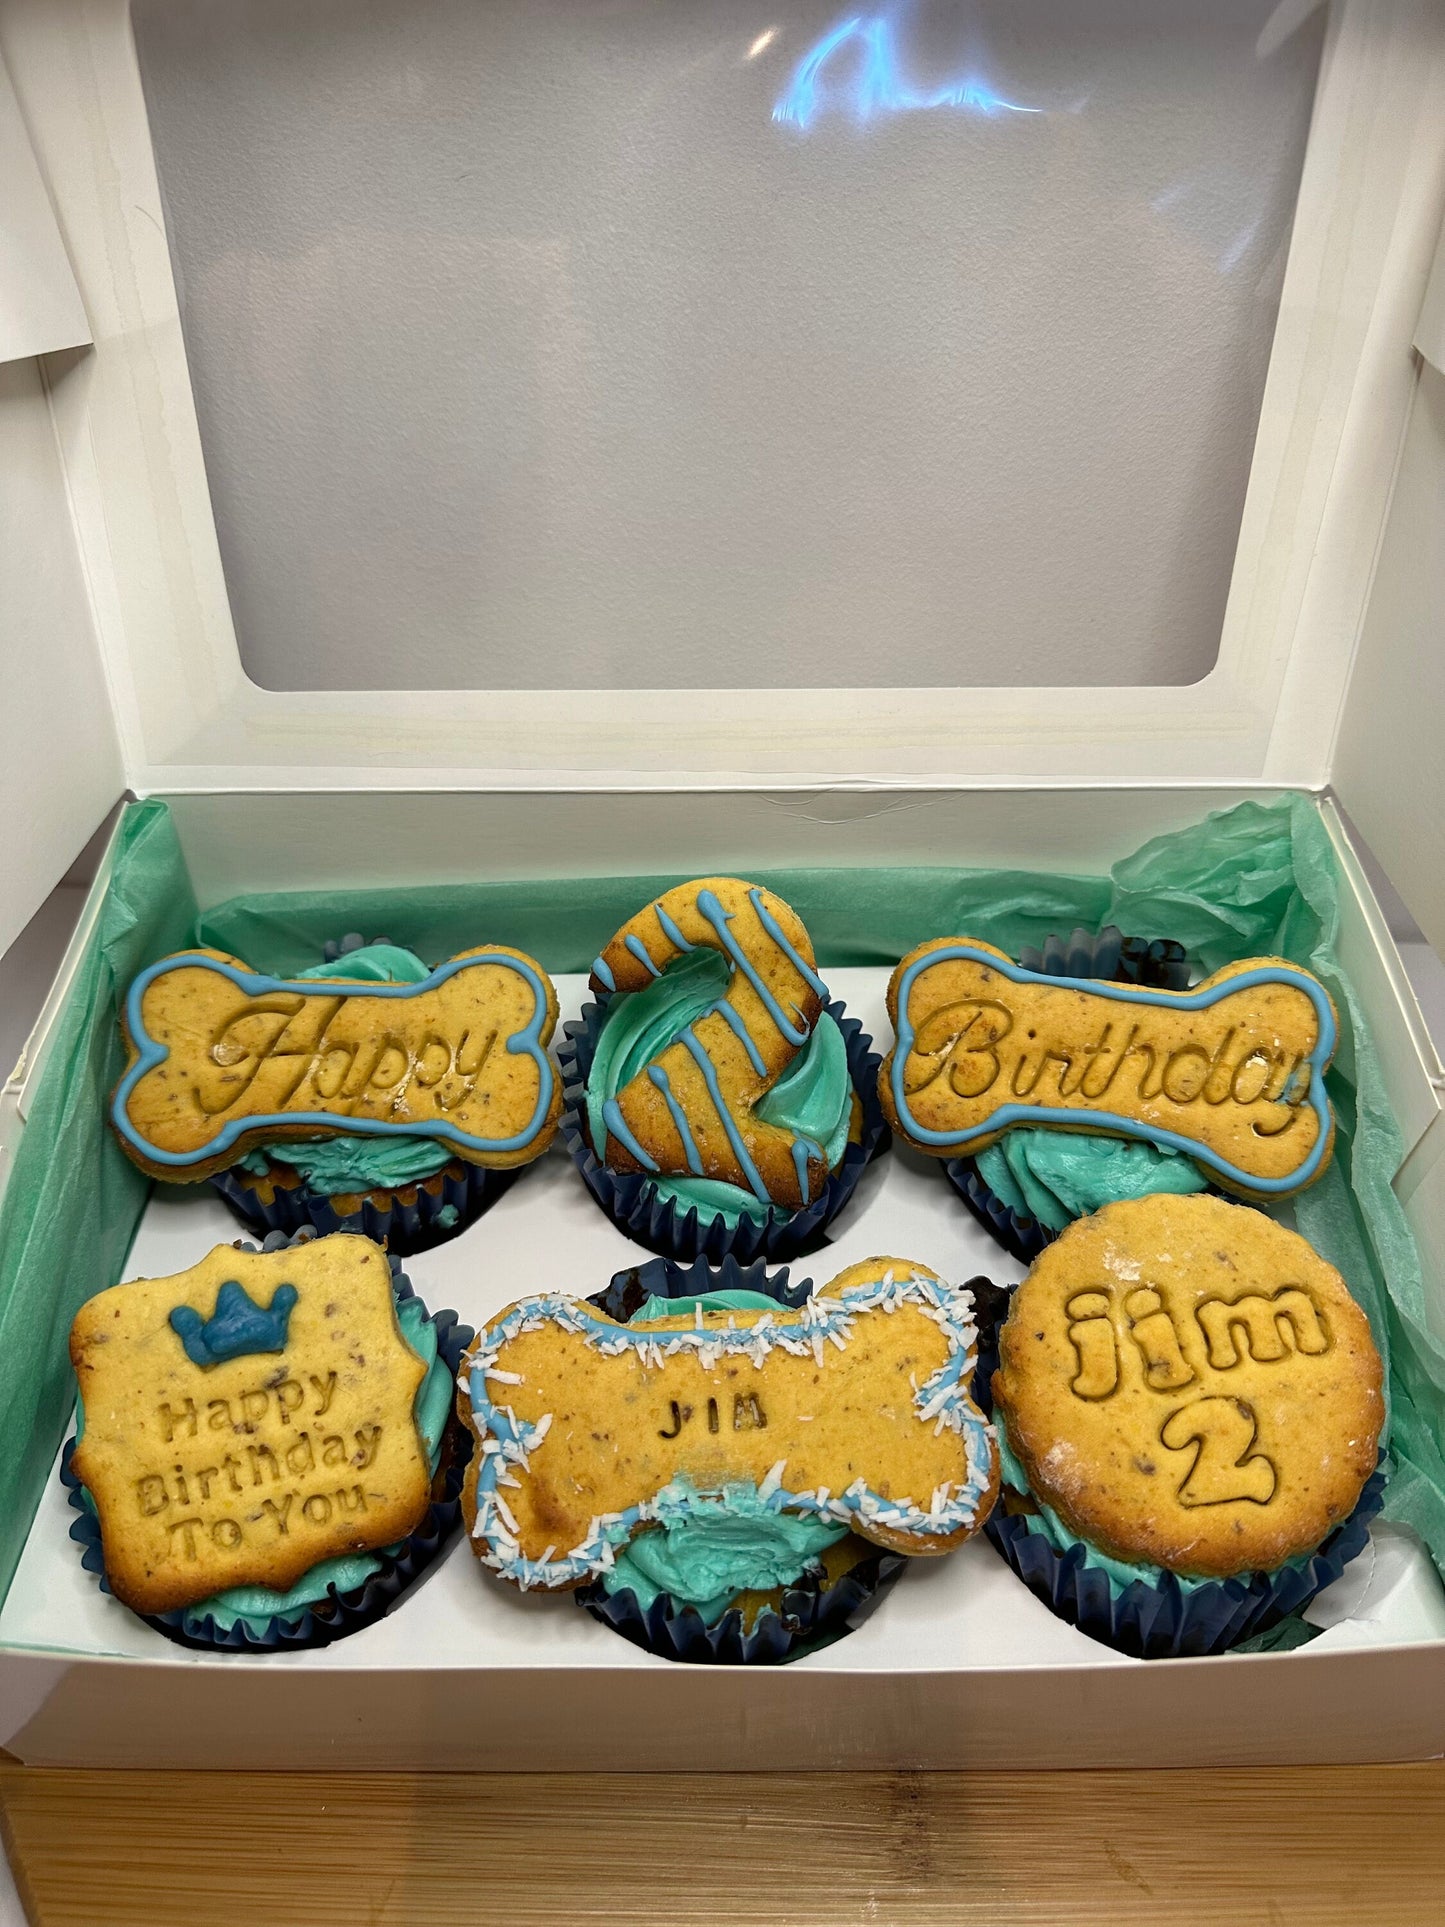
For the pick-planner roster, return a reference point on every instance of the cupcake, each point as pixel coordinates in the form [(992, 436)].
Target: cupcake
[(729, 1475), (718, 1102), (407, 1193), (380, 1114), (266, 1453), (1026, 1188), (1089, 1073), (730, 1581), (1189, 1407)]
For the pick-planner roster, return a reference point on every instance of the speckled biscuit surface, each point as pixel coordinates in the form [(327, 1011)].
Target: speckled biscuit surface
[(246, 1419), (692, 1110), (855, 1407), (1230, 1072), (222, 1059), (1190, 1385)]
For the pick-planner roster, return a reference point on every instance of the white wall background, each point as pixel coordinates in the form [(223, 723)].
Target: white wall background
[(61, 769), (529, 349)]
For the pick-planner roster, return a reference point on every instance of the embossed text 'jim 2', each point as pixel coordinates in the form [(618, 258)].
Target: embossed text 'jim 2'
[(1262, 1327)]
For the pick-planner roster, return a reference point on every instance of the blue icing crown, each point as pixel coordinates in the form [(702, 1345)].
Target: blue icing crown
[(237, 1325)]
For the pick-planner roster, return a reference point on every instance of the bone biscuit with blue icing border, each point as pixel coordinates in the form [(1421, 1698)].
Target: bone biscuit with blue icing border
[(222, 1059), (714, 1075), (246, 1419), (856, 1407), (1230, 1073)]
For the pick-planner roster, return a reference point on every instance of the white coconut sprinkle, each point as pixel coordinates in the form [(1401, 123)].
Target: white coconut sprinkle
[(507, 1442)]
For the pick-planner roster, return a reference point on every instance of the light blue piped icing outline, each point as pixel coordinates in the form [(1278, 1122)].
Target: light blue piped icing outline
[(617, 1126), (670, 930), (639, 950), (693, 1045), (658, 1076), (528, 1040), (1202, 999), (722, 1008), (944, 1399), (803, 1149), (775, 930), (712, 912)]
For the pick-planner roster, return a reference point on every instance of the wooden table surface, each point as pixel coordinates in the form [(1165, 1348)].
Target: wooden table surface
[(1322, 1846)]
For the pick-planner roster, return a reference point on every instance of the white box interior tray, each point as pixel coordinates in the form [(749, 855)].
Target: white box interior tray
[(963, 1612)]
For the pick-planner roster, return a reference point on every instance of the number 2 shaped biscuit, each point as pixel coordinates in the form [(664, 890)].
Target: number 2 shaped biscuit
[(691, 1112)]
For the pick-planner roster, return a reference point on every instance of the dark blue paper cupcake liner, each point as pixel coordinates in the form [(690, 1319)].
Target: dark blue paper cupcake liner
[(1111, 957), (1108, 957), (1159, 1620), (1156, 1619), (341, 1612), (811, 1615), (630, 1199), (664, 1278), (408, 1220)]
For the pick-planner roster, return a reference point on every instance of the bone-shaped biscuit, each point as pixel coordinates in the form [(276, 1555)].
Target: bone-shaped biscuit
[(246, 1419), (856, 1407), (692, 1111), (222, 1059), (1232, 1072)]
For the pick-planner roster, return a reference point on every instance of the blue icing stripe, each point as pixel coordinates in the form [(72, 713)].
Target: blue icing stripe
[(730, 1017), (639, 950), (1203, 999), (602, 971), (670, 930), (740, 1150), (775, 931), (679, 1117), (803, 1149), (712, 910), (617, 1127), (527, 1041)]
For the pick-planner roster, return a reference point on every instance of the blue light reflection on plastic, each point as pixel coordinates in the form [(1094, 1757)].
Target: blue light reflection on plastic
[(878, 86)]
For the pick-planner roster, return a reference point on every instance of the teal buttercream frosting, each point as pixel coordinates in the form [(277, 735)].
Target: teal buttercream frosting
[(336, 1165), (373, 963), (256, 1606), (652, 1308), (1054, 1177), (342, 1165), (1120, 1573), (721, 1544), (813, 1099), (712, 1198), (716, 1545)]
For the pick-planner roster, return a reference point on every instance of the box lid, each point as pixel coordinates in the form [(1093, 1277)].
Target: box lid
[(1339, 391)]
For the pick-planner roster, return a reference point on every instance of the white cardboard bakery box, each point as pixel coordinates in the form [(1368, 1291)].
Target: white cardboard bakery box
[(123, 674)]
